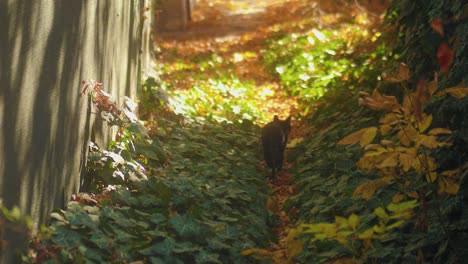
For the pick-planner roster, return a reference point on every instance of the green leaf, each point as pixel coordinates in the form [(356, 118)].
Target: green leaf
[(66, 238), (185, 225), (206, 257), (399, 207), (163, 248), (186, 247)]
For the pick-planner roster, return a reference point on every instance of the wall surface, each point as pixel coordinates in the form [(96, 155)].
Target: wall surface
[(47, 47), (174, 14)]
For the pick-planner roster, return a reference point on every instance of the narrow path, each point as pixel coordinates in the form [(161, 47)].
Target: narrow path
[(230, 28)]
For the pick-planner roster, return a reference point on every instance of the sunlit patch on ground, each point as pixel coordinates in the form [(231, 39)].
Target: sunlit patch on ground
[(225, 41), (252, 60)]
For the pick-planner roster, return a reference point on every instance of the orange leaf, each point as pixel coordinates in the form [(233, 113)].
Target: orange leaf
[(403, 74), (438, 131), (384, 129), (459, 91), (367, 189), (437, 26), (376, 101), (445, 57), (397, 198), (413, 195)]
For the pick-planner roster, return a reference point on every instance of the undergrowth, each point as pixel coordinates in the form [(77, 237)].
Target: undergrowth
[(188, 194)]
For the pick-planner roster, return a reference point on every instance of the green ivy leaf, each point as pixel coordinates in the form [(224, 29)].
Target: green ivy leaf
[(186, 226), (207, 257)]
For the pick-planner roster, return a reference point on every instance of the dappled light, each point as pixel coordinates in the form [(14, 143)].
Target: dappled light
[(283, 53), (282, 131)]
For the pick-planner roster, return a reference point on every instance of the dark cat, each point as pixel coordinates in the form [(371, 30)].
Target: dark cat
[(274, 140)]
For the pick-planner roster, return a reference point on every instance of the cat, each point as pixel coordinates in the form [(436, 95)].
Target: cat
[(274, 140)]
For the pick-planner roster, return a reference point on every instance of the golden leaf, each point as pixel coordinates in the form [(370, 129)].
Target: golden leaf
[(438, 131), (365, 163), (369, 233), (451, 187), (448, 186), (407, 106), (407, 135), (380, 229), (412, 151), (380, 212), (458, 91), (353, 221), (361, 136), (341, 221), (368, 136), (389, 119), (425, 123), (384, 129), (294, 245), (257, 253), (431, 177), (406, 160), (387, 143), (450, 173), (396, 224), (390, 161), (295, 142), (427, 141)]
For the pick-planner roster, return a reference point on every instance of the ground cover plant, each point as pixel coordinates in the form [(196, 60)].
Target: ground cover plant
[(188, 194), (376, 163), (409, 186)]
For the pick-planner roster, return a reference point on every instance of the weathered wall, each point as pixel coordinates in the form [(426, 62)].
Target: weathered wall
[(174, 14), (46, 48)]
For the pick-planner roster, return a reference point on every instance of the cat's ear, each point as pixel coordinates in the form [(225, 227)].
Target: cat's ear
[(288, 119), (275, 119)]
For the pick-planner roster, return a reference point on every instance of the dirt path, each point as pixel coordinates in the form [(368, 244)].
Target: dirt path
[(227, 28)]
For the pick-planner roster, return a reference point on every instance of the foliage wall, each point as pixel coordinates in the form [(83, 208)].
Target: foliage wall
[(423, 28)]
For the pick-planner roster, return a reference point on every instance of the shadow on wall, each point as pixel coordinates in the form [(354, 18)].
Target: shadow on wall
[(46, 49)]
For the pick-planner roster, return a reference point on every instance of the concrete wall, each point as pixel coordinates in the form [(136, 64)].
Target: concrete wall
[(47, 47)]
